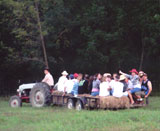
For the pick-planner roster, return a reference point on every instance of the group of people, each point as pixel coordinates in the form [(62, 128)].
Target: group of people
[(102, 85)]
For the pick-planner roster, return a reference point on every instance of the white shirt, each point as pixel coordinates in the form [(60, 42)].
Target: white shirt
[(75, 80), (117, 88), (130, 85), (69, 86), (111, 83), (137, 86), (62, 83), (104, 89), (48, 79)]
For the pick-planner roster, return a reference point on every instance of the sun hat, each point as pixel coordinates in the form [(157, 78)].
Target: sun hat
[(64, 73), (75, 75), (122, 77), (141, 73), (134, 71)]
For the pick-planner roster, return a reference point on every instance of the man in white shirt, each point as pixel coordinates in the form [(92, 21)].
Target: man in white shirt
[(117, 87), (104, 87), (69, 84), (48, 78), (62, 81)]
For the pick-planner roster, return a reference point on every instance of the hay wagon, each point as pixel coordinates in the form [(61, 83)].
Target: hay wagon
[(40, 95), (71, 102)]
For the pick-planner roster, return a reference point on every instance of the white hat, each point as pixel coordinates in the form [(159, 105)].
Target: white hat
[(106, 74), (122, 77), (64, 73)]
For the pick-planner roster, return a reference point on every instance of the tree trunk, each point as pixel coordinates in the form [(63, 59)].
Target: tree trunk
[(41, 36), (142, 54)]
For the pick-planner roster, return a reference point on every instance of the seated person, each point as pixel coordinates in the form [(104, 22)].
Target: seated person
[(48, 78), (80, 87), (127, 83), (75, 77), (90, 81), (76, 85), (118, 86), (95, 85), (104, 87), (69, 84), (83, 85), (134, 79), (62, 81)]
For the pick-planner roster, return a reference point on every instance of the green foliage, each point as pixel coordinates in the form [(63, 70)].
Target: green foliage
[(81, 36)]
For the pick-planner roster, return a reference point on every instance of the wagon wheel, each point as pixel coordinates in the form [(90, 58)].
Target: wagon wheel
[(79, 105), (15, 101), (70, 104)]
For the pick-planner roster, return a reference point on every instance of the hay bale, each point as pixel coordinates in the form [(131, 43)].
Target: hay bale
[(90, 100), (111, 102), (57, 100), (104, 102), (60, 99), (56, 92), (85, 95), (125, 102)]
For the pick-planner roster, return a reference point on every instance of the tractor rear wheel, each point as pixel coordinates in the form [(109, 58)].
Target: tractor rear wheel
[(15, 101), (40, 95)]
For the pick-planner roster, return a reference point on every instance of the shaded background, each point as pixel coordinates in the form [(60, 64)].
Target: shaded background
[(80, 36)]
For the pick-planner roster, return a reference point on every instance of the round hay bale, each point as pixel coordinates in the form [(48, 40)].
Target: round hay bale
[(111, 102), (115, 103), (125, 102), (107, 102), (104, 103)]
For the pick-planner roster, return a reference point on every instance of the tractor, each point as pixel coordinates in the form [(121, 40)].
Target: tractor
[(41, 95)]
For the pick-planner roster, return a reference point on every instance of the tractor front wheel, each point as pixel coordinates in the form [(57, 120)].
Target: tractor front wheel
[(15, 101)]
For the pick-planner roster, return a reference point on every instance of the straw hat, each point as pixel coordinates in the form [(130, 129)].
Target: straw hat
[(141, 73), (64, 73), (122, 77)]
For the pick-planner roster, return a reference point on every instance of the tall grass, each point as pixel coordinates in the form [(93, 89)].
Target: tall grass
[(61, 119)]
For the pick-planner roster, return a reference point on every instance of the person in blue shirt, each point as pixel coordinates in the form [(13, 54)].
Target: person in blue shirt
[(76, 85)]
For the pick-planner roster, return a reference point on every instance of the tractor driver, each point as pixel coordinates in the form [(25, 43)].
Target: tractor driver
[(48, 78)]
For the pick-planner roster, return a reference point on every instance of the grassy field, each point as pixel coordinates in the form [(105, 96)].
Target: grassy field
[(61, 119)]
